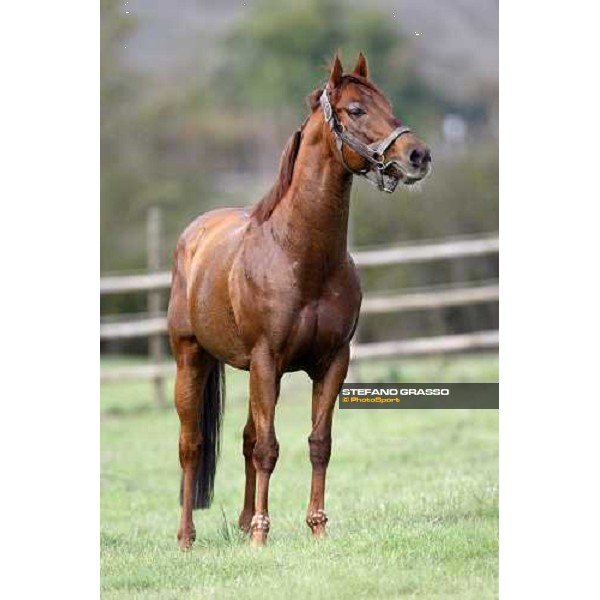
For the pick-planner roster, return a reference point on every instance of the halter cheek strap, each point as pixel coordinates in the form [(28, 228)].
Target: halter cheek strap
[(374, 153)]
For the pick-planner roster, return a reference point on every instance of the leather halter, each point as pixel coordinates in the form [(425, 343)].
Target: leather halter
[(374, 153)]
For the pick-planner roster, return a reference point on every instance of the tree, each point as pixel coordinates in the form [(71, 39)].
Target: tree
[(273, 56)]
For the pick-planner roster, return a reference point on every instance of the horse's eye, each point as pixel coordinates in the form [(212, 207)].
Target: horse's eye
[(355, 110)]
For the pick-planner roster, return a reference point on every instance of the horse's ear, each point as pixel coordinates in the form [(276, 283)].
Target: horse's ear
[(361, 68), (335, 77)]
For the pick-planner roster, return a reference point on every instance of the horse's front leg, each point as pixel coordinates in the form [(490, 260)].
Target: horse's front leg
[(325, 390), (248, 442), (264, 386)]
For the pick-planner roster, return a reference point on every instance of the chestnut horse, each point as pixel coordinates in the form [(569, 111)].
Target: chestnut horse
[(272, 289)]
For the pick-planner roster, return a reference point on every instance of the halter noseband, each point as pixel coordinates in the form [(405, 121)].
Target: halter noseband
[(374, 153)]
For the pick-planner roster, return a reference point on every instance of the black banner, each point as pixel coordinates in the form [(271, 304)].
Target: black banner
[(418, 395)]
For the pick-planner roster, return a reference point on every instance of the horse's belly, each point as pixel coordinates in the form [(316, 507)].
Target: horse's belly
[(214, 326), (209, 301)]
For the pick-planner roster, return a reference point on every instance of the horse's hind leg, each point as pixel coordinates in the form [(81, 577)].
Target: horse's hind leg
[(193, 367), (325, 391)]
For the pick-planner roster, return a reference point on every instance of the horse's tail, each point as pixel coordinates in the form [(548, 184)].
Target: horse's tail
[(213, 404)]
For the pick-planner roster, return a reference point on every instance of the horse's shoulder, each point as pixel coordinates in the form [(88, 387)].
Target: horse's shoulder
[(347, 275)]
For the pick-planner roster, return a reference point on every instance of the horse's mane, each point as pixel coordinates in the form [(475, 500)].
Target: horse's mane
[(264, 208)]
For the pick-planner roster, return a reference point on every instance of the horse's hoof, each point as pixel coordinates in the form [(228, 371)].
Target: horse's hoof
[(186, 540), (259, 529), (319, 532), (245, 521), (258, 539), (317, 520)]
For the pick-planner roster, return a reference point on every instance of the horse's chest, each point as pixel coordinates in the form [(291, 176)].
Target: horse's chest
[(319, 329), (303, 319)]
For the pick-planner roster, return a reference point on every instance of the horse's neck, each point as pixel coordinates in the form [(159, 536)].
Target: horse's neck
[(311, 222)]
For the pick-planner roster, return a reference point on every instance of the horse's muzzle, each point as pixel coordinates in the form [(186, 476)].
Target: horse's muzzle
[(407, 174)]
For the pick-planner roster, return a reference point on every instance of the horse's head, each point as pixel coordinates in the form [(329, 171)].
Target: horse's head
[(365, 134)]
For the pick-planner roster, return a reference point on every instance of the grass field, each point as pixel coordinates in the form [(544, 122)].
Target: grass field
[(412, 498)]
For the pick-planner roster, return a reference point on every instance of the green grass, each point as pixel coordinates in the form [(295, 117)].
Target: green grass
[(412, 498)]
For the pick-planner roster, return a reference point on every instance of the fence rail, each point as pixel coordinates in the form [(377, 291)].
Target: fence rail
[(399, 255), (430, 299), (119, 284), (154, 325), (146, 326), (480, 340), (444, 344), (376, 257)]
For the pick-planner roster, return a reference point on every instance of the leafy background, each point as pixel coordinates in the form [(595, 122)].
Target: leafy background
[(198, 99)]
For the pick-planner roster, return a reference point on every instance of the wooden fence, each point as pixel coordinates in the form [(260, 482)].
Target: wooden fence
[(154, 324)]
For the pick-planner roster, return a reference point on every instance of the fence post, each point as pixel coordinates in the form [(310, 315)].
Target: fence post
[(155, 342)]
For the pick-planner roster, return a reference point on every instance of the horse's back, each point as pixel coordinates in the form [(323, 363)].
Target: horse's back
[(200, 305), (208, 227)]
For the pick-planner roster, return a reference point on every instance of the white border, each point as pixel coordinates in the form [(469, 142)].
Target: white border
[(49, 429), (49, 239), (549, 300)]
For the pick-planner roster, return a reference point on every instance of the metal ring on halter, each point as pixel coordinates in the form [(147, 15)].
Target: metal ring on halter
[(379, 160)]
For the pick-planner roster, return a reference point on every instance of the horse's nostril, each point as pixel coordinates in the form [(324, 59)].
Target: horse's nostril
[(419, 157), (416, 157)]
